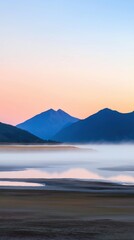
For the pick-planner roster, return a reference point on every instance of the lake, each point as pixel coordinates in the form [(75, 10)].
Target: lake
[(93, 162)]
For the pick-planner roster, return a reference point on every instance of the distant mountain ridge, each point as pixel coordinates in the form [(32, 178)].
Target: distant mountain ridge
[(12, 135), (46, 124), (104, 126)]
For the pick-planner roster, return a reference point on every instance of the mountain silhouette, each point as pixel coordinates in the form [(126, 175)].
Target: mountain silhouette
[(11, 134), (46, 124), (104, 126)]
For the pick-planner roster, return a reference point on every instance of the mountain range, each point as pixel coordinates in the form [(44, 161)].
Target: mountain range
[(104, 126)]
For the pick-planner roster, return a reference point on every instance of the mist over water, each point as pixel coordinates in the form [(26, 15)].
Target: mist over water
[(95, 162)]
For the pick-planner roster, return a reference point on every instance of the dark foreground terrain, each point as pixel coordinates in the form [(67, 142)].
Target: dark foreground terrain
[(43, 214)]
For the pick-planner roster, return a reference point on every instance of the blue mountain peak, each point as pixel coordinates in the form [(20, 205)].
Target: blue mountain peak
[(48, 123)]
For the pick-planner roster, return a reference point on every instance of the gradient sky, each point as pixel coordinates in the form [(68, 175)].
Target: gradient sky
[(77, 55)]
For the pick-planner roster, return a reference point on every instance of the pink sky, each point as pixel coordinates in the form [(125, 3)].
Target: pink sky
[(25, 93)]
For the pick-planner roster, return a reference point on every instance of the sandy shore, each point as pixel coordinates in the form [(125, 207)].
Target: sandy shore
[(28, 214), (54, 147)]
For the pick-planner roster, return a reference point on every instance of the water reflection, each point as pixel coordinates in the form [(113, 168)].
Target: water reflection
[(77, 173), (18, 184)]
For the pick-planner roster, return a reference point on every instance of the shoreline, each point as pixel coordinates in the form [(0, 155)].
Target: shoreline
[(73, 185)]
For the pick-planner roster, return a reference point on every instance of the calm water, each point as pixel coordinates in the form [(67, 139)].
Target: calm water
[(100, 162)]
